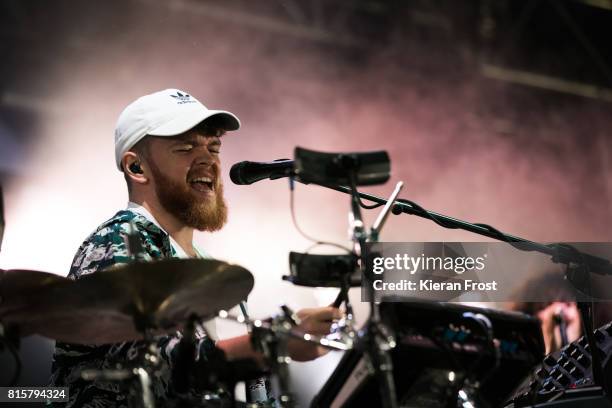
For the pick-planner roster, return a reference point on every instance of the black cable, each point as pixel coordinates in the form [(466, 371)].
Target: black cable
[(368, 207), (315, 241), (427, 214)]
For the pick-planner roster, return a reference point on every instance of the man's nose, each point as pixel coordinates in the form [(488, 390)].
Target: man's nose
[(205, 158)]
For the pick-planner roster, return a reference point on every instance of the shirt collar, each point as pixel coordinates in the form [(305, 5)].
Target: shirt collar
[(180, 253)]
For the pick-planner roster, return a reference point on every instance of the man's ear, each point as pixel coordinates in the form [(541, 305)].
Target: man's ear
[(133, 168)]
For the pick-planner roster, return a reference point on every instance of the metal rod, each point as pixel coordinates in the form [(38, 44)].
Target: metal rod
[(382, 217), (559, 253)]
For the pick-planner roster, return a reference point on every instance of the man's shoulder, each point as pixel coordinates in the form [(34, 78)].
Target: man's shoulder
[(120, 225), (108, 244), (126, 221)]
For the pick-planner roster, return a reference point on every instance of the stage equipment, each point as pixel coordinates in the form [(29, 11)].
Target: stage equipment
[(444, 355), (579, 265), (323, 270), (360, 169), (309, 166), (247, 172), (566, 376), (341, 173)]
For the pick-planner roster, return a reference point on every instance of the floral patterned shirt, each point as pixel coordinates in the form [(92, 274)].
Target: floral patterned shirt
[(106, 247)]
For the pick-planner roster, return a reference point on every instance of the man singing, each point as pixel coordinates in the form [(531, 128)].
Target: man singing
[(167, 144)]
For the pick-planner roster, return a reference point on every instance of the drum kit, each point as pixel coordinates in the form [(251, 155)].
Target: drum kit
[(141, 301), (407, 354)]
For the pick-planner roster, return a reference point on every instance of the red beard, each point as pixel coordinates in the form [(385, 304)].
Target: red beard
[(178, 199)]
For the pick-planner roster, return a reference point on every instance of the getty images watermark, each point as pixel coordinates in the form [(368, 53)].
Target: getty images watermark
[(476, 271)]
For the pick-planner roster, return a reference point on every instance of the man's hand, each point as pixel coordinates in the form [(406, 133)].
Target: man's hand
[(316, 321)]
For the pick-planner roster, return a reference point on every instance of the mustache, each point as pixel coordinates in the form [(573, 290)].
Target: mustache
[(214, 171)]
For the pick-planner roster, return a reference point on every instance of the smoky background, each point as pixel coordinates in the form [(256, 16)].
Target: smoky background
[(491, 111)]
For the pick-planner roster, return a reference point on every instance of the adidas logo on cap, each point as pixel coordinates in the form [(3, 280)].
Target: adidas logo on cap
[(182, 98)]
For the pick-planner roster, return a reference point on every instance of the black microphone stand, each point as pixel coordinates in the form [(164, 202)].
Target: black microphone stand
[(378, 341)]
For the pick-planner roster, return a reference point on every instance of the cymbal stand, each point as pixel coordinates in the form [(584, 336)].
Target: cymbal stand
[(272, 341), (378, 342), (344, 329)]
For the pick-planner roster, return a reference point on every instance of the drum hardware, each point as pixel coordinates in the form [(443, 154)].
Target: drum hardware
[(283, 325), (170, 292), (270, 337), (214, 379), (149, 362), (220, 375)]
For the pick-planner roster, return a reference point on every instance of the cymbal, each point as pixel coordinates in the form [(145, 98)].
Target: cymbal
[(19, 287), (120, 303)]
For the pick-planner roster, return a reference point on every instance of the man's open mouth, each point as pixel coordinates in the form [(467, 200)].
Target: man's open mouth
[(203, 184)]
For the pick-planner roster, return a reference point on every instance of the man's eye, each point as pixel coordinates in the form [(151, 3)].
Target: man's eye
[(215, 151), (184, 148)]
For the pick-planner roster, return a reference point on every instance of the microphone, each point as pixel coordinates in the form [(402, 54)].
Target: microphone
[(247, 172)]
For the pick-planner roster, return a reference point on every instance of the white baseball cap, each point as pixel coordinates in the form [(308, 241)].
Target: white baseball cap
[(165, 113)]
